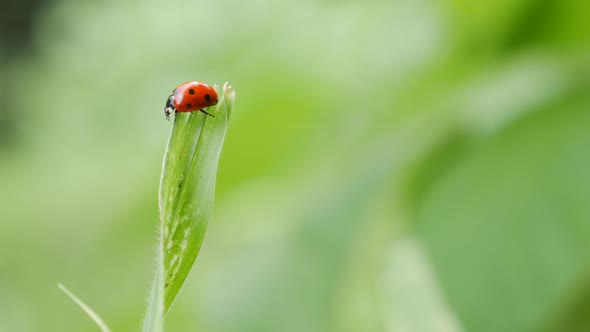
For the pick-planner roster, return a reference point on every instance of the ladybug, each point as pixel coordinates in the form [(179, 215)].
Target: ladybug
[(190, 97)]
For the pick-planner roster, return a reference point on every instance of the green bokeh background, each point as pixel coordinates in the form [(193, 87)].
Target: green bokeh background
[(405, 165)]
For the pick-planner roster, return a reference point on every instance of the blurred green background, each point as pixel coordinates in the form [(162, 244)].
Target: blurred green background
[(404, 165)]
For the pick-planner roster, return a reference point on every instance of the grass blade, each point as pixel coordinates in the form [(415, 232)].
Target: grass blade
[(154, 317), (187, 189), (101, 324)]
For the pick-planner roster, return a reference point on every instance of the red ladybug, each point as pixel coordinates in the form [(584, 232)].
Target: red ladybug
[(190, 97)]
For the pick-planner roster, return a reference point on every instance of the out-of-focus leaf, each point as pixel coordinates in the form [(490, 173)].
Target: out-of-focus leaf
[(412, 301), (506, 227)]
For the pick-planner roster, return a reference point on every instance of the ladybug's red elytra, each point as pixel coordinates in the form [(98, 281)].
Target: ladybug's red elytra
[(190, 97)]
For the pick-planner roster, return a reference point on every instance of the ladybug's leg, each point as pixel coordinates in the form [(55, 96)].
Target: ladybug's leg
[(207, 113)]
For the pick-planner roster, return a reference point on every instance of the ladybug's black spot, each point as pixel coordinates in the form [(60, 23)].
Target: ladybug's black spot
[(208, 98), (191, 91), (189, 105)]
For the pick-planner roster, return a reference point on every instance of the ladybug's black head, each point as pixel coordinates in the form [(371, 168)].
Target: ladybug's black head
[(169, 108)]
